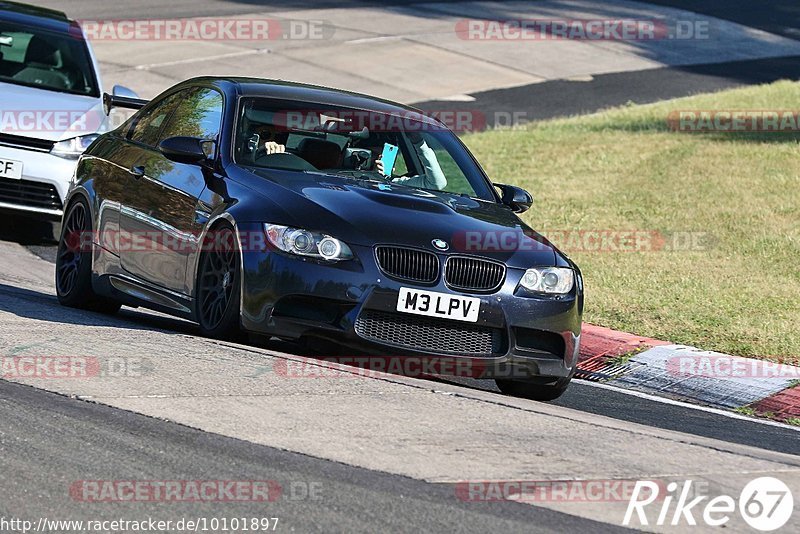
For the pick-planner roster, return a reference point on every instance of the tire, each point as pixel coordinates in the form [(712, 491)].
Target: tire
[(533, 390), (74, 263), (218, 286)]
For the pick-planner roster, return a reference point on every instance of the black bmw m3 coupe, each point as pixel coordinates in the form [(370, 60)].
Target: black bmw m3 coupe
[(301, 212)]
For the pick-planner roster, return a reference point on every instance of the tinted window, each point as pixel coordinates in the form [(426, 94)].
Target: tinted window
[(197, 114), (46, 60), (330, 140), (147, 125), (457, 181)]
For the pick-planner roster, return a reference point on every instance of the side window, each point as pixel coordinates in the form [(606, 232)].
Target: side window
[(15, 45), (197, 114), (457, 182), (148, 125), (400, 166)]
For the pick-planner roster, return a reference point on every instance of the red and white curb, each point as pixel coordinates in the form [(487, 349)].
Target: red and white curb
[(689, 374)]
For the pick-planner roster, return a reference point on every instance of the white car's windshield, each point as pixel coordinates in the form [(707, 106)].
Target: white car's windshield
[(47, 60)]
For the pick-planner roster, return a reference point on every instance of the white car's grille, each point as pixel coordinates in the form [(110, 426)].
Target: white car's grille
[(30, 194), (26, 143)]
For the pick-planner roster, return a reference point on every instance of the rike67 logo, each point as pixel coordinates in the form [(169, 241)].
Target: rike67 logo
[(766, 504)]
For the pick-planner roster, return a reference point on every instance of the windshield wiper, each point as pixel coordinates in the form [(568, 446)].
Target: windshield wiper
[(358, 175)]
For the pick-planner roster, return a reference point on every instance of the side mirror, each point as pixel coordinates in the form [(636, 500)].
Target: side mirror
[(515, 197), (119, 90), (183, 149)]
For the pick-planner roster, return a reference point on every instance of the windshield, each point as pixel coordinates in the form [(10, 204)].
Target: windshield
[(47, 60), (410, 150)]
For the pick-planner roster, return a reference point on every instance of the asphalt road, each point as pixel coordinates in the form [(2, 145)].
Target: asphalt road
[(563, 98), (776, 16), (49, 442), (581, 396), (683, 418), (781, 17), (539, 101)]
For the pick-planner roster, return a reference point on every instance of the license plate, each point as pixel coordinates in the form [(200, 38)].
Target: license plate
[(438, 305), (10, 169)]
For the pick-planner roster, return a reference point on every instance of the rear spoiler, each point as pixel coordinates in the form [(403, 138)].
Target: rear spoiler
[(112, 101)]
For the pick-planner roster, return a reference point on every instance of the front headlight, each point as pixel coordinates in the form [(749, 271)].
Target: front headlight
[(73, 148), (305, 243), (550, 280)]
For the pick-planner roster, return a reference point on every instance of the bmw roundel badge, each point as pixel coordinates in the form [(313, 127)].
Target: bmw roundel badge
[(440, 244)]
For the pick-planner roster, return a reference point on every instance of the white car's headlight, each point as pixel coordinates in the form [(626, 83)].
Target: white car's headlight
[(305, 243), (550, 280), (73, 148)]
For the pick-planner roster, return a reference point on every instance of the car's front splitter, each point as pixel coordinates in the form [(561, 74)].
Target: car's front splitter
[(353, 303)]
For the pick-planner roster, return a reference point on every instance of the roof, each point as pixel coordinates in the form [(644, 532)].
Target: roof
[(316, 94), (36, 16)]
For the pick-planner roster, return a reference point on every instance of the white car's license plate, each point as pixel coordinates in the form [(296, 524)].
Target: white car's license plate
[(10, 169), (438, 305)]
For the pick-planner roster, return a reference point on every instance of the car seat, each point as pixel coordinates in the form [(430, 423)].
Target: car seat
[(41, 63), (320, 153)]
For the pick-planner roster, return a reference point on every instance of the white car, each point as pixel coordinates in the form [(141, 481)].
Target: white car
[(51, 107)]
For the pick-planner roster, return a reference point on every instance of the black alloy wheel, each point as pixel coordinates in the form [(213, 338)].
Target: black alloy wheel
[(218, 283)]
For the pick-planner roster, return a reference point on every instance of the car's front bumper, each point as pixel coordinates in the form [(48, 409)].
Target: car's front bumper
[(354, 303), (44, 184)]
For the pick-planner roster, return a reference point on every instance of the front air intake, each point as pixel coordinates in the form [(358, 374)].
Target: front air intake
[(408, 264)]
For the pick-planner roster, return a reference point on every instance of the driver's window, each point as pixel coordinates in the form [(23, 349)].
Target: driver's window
[(197, 114), (149, 123)]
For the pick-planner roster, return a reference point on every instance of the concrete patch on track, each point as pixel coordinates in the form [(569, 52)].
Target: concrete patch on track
[(690, 374), (414, 53), (720, 41), (706, 377), (687, 373)]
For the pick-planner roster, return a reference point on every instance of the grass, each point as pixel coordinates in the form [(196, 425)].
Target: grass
[(746, 410), (737, 290), (752, 412), (622, 359)]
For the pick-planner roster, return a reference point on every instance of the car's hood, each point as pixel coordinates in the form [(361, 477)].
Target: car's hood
[(364, 212), (50, 115)]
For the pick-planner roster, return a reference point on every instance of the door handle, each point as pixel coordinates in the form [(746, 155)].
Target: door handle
[(137, 171)]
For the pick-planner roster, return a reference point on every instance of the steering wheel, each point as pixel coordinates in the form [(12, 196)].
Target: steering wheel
[(283, 160)]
